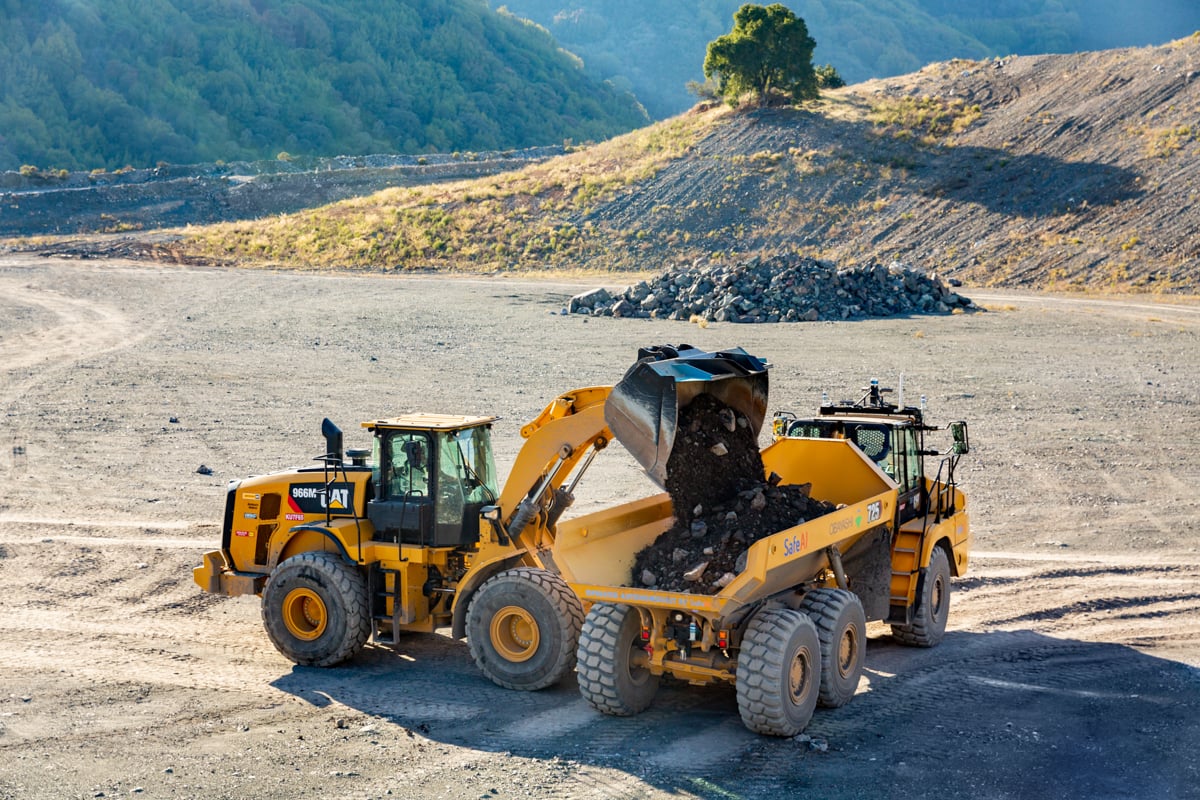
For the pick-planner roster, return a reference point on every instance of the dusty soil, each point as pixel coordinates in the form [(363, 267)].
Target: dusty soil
[(1071, 668)]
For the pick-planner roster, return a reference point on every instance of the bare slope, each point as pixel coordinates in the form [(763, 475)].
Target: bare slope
[(1049, 171)]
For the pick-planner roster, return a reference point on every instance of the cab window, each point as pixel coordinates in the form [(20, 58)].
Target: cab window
[(912, 477), (405, 465)]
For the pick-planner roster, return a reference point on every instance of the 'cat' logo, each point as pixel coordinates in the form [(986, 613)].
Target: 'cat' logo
[(318, 498)]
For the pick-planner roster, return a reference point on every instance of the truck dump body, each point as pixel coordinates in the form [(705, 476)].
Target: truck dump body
[(595, 553)]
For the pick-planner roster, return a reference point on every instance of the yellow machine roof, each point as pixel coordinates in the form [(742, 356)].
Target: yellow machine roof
[(422, 421)]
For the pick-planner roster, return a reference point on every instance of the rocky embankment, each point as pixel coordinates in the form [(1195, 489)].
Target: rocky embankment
[(38, 203)]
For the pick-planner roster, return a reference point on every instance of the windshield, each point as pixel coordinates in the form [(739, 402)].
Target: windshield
[(468, 453)]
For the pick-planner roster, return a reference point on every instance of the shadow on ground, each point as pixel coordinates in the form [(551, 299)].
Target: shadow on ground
[(1006, 714)]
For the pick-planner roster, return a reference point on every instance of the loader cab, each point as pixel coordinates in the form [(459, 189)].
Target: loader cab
[(432, 474)]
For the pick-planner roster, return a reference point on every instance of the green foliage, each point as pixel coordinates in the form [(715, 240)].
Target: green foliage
[(828, 77), (768, 50), (655, 49), (86, 85)]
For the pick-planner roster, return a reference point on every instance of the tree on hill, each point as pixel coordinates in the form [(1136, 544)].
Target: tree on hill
[(768, 52)]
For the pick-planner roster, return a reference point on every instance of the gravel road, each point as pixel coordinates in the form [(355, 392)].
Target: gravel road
[(1071, 668)]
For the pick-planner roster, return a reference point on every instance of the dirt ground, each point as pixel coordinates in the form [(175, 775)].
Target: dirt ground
[(1071, 668)]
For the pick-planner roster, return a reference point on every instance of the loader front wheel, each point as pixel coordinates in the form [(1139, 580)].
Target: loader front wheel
[(928, 624), (613, 677), (779, 672), (842, 628), (314, 608), (523, 627)]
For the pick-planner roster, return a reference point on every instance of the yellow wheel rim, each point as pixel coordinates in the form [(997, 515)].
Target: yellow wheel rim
[(847, 652), (304, 614), (799, 675), (515, 634)]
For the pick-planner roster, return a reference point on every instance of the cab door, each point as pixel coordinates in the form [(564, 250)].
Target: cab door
[(909, 472), (402, 510)]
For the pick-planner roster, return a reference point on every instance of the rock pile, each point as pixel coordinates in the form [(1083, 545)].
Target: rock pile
[(722, 504), (782, 288)]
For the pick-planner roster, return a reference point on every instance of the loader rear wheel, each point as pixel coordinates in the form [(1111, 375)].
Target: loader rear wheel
[(842, 628), (613, 677), (314, 608), (928, 625), (779, 672), (523, 626)]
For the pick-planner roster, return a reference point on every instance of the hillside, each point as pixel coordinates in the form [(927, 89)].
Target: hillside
[(139, 82), (654, 49), (1048, 171)]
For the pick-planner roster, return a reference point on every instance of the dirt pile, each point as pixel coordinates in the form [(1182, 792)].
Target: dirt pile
[(781, 288), (722, 504)]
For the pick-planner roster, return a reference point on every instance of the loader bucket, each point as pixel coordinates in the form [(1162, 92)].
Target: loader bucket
[(643, 409)]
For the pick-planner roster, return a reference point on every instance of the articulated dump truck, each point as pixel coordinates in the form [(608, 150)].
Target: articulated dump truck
[(789, 629), (413, 535)]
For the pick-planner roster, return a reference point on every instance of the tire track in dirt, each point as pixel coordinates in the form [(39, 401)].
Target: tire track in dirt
[(84, 329)]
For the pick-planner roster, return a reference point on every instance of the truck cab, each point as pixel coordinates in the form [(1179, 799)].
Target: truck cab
[(890, 435)]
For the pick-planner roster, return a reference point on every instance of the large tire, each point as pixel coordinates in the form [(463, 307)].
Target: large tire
[(523, 627), (779, 672), (928, 625), (612, 677), (842, 628), (315, 609)]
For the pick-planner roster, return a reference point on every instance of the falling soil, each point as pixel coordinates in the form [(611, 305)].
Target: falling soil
[(722, 504)]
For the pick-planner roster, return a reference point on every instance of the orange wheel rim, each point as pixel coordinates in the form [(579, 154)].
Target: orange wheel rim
[(304, 614), (515, 634)]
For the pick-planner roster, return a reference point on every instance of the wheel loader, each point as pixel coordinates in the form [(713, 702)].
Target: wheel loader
[(413, 535), (789, 630)]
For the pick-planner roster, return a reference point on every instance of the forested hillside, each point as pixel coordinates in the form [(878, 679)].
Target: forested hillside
[(654, 49), (87, 85)]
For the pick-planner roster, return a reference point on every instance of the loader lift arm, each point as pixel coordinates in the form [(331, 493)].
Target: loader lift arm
[(568, 430)]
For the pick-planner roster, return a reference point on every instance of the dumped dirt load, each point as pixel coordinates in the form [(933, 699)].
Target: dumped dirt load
[(714, 457), (722, 504)]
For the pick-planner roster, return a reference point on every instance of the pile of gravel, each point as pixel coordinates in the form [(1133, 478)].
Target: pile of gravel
[(782, 288)]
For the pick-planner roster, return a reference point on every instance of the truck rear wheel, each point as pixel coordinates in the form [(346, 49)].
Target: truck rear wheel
[(928, 625), (842, 628), (613, 678), (523, 626), (779, 672), (314, 608)]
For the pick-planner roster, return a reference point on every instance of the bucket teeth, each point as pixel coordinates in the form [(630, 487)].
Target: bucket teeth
[(643, 409)]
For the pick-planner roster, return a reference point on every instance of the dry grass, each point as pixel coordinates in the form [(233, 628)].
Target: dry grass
[(520, 220), (923, 119)]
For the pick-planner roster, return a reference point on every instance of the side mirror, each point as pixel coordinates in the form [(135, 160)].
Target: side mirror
[(958, 432)]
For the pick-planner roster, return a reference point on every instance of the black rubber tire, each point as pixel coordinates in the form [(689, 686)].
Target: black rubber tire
[(779, 672), (523, 627), (610, 678), (928, 625), (842, 628), (315, 609)]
